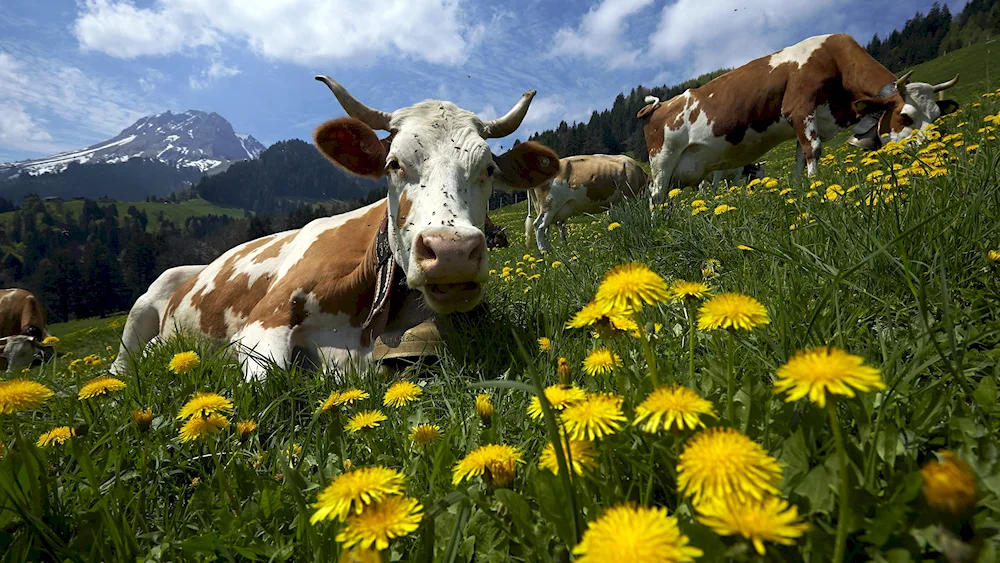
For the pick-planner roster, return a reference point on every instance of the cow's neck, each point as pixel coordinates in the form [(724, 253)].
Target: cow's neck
[(383, 279)]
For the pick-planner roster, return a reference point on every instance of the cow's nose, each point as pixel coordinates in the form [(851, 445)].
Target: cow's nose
[(446, 258)]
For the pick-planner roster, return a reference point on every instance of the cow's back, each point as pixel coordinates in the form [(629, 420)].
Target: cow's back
[(266, 278), (19, 308)]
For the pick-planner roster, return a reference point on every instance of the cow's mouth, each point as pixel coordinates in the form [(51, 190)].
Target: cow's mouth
[(452, 297)]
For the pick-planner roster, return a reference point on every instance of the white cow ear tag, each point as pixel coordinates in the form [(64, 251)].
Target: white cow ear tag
[(386, 277)]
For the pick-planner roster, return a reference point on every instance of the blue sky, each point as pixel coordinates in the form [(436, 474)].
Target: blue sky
[(73, 73)]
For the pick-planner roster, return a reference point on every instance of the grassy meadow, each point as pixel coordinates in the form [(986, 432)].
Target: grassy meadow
[(883, 255), (175, 212)]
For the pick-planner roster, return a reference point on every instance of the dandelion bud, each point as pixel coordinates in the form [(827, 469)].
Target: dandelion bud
[(279, 477), (565, 375), (142, 418), (484, 408), (246, 428), (348, 465), (950, 485), (196, 481)]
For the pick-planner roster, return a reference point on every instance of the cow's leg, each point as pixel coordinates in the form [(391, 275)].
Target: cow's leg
[(528, 223), (810, 145), (258, 348), (542, 223), (562, 230)]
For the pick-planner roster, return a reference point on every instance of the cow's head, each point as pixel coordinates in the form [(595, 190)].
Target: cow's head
[(20, 351), (440, 174), (906, 109)]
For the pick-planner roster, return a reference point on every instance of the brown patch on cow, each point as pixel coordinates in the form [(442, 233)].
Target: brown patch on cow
[(404, 210), (669, 115), (694, 114), (273, 250), (20, 313)]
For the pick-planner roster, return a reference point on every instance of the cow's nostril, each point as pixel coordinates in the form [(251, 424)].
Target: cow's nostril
[(424, 250), (476, 254)]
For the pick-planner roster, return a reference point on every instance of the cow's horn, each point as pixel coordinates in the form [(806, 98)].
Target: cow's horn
[(375, 119), (503, 126), (901, 82), (946, 85)]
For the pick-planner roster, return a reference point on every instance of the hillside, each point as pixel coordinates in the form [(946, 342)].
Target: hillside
[(178, 213)]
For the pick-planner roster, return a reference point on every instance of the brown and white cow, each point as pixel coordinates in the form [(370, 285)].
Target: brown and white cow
[(22, 329), (324, 292), (585, 184), (809, 92)]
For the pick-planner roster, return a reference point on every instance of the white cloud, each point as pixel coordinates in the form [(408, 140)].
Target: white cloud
[(599, 35), (305, 33), (488, 112), (214, 72), (705, 36), (88, 105), (151, 79)]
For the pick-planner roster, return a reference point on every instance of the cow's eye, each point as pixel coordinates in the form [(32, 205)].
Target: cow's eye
[(490, 170), (393, 165)]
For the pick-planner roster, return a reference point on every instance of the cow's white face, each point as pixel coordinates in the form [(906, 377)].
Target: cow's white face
[(440, 174), (919, 110)]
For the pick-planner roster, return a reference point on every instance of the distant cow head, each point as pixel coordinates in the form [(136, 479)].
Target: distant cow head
[(440, 173), (909, 108), (20, 351)]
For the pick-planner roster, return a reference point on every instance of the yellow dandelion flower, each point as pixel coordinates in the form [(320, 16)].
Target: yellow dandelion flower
[(699, 210), (558, 396), (723, 208), (732, 310), (674, 193), (424, 434), (484, 408), (744, 248), (339, 398), (950, 485), (201, 426), (631, 285), (614, 226), (391, 518), (772, 183), (102, 385), (600, 362), (400, 393), (50, 340), (496, 461), (636, 534), (351, 492), (365, 420), (721, 462), (19, 395), (993, 255), (581, 455), (605, 320), (544, 344), (596, 416), (668, 406), (184, 362), (204, 404), (246, 428), (681, 290), (826, 369), (56, 436), (331, 402), (770, 519), (142, 418)]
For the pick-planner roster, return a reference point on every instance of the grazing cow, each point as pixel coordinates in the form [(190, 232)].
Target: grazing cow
[(496, 236), (324, 293), (585, 184), (22, 329), (809, 92)]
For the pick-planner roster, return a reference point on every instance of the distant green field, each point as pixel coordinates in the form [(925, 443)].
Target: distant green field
[(176, 212)]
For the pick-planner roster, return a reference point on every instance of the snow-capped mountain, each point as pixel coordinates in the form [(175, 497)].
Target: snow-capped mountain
[(195, 139)]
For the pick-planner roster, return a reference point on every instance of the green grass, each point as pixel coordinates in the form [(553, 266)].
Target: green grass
[(894, 270), (176, 212)]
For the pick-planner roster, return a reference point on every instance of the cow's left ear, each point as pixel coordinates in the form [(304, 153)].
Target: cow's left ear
[(947, 106), (526, 166), (352, 145)]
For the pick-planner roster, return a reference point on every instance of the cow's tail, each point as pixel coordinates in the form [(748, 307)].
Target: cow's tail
[(652, 100), (529, 224)]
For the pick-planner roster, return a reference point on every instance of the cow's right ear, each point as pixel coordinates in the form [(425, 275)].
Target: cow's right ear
[(526, 166), (352, 145)]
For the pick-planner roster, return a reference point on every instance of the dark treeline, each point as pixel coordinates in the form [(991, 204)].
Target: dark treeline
[(132, 180), (100, 261), (287, 171), (923, 38)]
